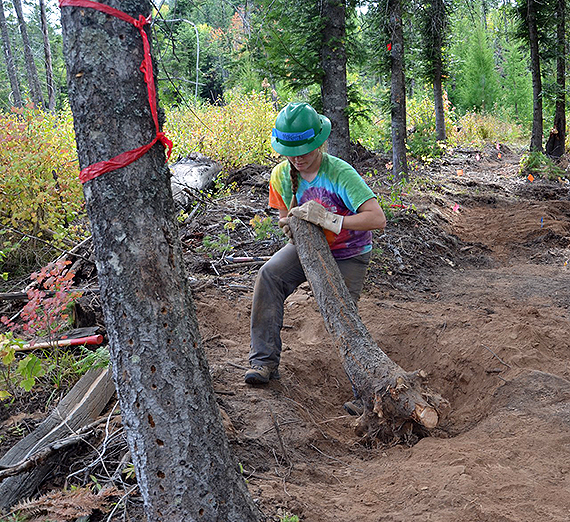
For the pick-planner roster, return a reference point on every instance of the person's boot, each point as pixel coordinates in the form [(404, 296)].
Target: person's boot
[(354, 407), (261, 375)]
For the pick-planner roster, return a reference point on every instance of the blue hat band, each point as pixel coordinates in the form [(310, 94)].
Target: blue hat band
[(293, 136)]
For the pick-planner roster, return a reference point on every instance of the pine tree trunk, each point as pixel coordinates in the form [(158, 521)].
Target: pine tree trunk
[(439, 25), (438, 100), (396, 402), (333, 86), (537, 125), (31, 70), (47, 55), (9, 58), (555, 146), (184, 467), (398, 92)]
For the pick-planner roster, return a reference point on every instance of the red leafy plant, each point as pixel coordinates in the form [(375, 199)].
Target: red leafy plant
[(45, 314)]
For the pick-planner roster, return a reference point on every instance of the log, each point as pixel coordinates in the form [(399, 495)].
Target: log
[(79, 407), (397, 404)]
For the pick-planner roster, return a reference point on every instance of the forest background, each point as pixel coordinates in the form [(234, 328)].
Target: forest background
[(224, 70)]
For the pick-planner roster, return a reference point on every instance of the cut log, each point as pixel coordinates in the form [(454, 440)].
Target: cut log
[(79, 407), (397, 404)]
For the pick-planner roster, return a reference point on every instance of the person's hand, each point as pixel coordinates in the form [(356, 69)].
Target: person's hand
[(315, 213), (284, 224)]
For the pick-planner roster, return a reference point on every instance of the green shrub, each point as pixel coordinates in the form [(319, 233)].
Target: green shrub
[(539, 165)]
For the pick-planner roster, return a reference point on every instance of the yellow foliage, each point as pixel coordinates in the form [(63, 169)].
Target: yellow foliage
[(235, 134), (38, 171)]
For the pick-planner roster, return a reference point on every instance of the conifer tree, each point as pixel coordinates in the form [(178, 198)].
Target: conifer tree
[(305, 46), (478, 82), (433, 24), (531, 29), (9, 58), (31, 69), (555, 146), (386, 37)]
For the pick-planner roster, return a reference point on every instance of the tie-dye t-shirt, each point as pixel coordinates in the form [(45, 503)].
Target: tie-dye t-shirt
[(339, 188)]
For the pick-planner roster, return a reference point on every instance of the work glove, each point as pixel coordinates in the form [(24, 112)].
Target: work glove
[(315, 213), (284, 224)]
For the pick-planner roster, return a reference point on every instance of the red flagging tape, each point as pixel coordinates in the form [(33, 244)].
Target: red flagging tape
[(126, 158)]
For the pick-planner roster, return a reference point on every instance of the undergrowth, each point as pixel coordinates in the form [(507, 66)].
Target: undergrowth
[(42, 202)]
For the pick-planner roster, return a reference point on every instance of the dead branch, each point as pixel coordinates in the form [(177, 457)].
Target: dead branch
[(41, 455)]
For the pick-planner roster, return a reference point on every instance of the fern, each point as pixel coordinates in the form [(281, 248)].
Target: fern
[(61, 506)]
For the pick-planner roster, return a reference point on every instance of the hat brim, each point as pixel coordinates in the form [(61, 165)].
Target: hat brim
[(305, 148)]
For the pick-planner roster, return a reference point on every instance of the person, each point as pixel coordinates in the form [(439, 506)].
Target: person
[(322, 189)]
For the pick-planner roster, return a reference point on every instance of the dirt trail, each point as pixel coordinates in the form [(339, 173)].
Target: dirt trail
[(488, 322), (470, 284)]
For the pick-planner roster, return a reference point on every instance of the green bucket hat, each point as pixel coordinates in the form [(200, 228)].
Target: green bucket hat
[(299, 129)]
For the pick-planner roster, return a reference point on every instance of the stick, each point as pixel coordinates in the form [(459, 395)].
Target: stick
[(40, 456), (496, 356), (68, 252), (23, 296), (278, 431), (233, 259)]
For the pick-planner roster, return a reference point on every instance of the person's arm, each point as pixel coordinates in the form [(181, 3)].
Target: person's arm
[(369, 216), (283, 217)]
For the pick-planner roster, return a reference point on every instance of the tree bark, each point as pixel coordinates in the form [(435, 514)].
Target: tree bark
[(537, 121), (47, 54), (334, 87), (398, 92), (9, 58), (31, 70), (555, 146), (438, 26), (438, 99), (182, 458), (396, 403)]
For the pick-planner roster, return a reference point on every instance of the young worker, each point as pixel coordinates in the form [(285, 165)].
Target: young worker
[(322, 189)]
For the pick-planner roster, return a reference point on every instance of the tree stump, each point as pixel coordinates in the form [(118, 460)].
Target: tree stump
[(397, 404)]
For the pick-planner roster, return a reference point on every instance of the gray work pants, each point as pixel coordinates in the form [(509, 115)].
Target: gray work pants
[(278, 279)]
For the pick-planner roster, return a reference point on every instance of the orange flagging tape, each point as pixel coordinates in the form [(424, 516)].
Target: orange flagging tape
[(126, 158)]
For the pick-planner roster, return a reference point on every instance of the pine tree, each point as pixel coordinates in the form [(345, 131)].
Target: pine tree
[(478, 81), (433, 22), (9, 58)]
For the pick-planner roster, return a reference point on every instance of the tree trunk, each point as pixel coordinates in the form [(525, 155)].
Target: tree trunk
[(555, 146), (333, 86), (184, 467), (537, 130), (438, 27), (438, 98), (47, 54), (395, 402), (398, 92), (10, 65), (31, 70)]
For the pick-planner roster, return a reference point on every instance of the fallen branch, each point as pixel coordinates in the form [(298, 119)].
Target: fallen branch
[(23, 296), (40, 456)]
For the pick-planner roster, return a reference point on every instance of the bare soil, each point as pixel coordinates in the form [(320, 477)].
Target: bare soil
[(469, 283)]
